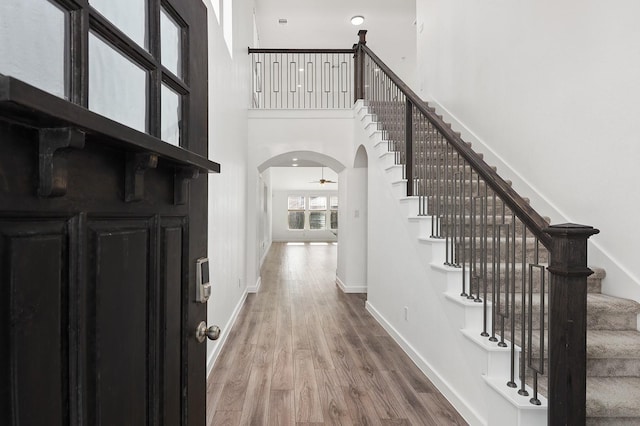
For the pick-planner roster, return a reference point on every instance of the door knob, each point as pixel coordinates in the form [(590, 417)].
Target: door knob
[(202, 332)]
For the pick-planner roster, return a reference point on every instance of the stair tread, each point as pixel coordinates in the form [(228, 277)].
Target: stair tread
[(613, 397), (596, 303), (613, 344), (599, 302), (604, 344)]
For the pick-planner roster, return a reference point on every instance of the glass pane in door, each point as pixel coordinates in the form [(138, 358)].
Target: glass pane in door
[(130, 16), (171, 118), (34, 36), (170, 43), (117, 86)]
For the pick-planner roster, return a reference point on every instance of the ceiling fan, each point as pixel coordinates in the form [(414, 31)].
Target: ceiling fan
[(322, 180)]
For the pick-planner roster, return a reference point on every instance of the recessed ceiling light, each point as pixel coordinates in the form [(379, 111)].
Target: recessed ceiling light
[(357, 20), (294, 159), (294, 165)]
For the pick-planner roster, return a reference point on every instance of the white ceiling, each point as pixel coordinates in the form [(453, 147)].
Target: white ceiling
[(326, 24)]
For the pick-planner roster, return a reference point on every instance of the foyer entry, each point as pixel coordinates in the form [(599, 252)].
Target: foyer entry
[(302, 351)]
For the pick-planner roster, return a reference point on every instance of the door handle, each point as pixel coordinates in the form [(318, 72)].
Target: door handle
[(202, 332)]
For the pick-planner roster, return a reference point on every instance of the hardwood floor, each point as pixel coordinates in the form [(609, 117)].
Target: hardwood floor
[(302, 353)]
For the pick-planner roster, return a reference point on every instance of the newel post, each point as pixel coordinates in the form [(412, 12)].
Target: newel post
[(568, 323), (358, 66)]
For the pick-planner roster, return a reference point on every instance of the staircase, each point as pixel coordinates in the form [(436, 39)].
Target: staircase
[(613, 342), (472, 262)]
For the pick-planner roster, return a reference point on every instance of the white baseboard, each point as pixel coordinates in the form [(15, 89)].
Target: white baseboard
[(452, 396), (255, 288), (211, 359), (350, 288), (264, 256)]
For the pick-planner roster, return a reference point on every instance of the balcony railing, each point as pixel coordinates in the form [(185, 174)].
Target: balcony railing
[(510, 257), (302, 78)]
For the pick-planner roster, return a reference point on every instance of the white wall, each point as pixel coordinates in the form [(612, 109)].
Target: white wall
[(228, 99), (548, 89)]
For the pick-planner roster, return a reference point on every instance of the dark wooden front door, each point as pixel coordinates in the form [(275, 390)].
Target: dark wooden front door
[(100, 229)]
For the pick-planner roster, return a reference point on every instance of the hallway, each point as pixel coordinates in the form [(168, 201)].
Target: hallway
[(303, 352)]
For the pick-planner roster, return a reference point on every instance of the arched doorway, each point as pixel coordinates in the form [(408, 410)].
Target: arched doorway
[(261, 228)]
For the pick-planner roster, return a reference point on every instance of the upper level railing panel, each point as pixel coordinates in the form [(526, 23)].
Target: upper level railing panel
[(302, 78)]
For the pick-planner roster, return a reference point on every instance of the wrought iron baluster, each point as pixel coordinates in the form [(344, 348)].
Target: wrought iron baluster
[(445, 188), (473, 264), (463, 237), (525, 344), (512, 382), (539, 369), (494, 267), (505, 311)]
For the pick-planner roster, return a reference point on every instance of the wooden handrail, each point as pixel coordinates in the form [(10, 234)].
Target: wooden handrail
[(270, 50), (532, 219)]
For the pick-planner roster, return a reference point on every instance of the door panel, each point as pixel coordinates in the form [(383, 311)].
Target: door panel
[(171, 277), (121, 286), (33, 268)]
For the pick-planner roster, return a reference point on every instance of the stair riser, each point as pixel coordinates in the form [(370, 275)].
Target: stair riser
[(425, 156), (445, 212), (477, 229), (429, 136), (612, 421), (454, 200), (529, 257), (611, 367), (596, 319), (594, 282)]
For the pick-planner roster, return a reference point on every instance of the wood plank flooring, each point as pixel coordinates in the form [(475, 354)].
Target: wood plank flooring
[(304, 353)]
